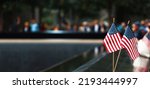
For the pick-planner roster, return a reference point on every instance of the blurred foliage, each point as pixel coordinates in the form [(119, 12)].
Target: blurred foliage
[(83, 8)]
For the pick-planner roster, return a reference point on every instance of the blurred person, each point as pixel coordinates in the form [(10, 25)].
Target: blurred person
[(107, 24), (137, 32), (75, 27), (56, 28), (68, 27), (142, 28), (143, 23), (44, 27), (81, 28), (86, 27), (34, 26), (148, 27), (26, 27), (96, 27), (103, 27), (121, 27), (142, 63)]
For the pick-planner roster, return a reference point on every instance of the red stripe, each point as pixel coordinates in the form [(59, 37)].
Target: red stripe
[(115, 42), (130, 45), (127, 46), (112, 42), (118, 41), (132, 48), (106, 46), (106, 40), (109, 44), (135, 48), (110, 39), (118, 35)]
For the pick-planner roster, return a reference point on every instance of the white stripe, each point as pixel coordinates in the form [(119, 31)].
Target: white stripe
[(115, 41), (136, 50), (118, 40), (109, 44), (106, 45), (131, 47), (126, 48), (112, 43), (134, 47)]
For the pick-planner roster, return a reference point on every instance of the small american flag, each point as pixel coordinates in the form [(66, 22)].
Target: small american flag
[(112, 40), (129, 42), (146, 39)]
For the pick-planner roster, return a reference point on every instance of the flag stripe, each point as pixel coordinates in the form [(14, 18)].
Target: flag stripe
[(115, 41), (109, 44), (126, 45), (112, 42), (118, 40), (106, 45), (135, 47), (130, 45), (134, 43)]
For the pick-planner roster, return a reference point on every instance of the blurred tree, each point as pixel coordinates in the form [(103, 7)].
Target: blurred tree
[(132, 9)]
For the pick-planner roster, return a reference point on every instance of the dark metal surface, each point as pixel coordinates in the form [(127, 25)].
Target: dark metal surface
[(32, 57)]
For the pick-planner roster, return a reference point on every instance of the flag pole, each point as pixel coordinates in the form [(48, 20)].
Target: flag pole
[(117, 61), (119, 54), (113, 61)]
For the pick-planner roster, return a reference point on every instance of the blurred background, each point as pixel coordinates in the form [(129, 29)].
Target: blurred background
[(68, 15)]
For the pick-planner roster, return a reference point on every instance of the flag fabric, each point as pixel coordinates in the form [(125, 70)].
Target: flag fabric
[(112, 40), (129, 42), (146, 39)]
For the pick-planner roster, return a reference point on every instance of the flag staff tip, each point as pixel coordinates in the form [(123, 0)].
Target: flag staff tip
[(113, 20)]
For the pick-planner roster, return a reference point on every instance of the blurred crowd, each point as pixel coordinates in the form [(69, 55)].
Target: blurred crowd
[(140, 28), (84, 26), (97, 26)]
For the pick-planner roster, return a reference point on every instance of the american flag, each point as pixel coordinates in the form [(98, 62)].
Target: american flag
[(112, 40), (146, 39), (129, 42)]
